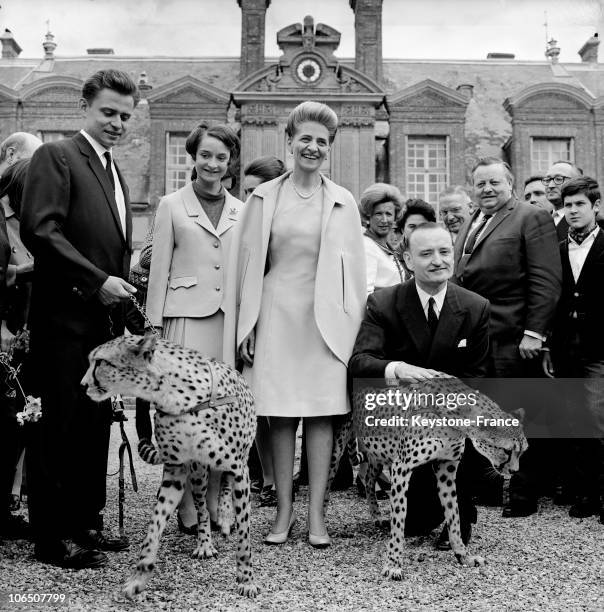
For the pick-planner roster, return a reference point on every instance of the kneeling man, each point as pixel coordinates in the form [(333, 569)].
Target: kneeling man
[(414, 330)]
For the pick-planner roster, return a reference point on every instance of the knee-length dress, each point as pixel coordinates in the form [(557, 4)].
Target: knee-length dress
[(294, 372)]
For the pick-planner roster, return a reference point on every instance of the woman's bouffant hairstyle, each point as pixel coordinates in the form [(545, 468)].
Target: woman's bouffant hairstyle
[(267, 167), (12, 183), (312, 111), (416, 206), (379, 193), (110, 79), (222, 132)]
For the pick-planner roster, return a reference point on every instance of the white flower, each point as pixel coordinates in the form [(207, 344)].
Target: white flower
[(32, 411)]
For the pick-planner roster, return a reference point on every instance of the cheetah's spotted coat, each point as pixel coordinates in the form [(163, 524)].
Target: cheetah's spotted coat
[(205, 419)]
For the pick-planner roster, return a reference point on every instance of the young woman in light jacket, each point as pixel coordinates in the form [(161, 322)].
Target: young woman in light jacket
[(192, 237)]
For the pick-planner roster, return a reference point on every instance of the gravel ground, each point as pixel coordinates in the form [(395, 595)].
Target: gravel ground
[(544, 562)]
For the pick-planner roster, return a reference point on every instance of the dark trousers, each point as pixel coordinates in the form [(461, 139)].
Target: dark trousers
[(67, 454), (516, 383), (585, 414), (11, 445)]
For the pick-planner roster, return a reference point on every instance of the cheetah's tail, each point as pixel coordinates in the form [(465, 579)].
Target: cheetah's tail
[(147, 452)]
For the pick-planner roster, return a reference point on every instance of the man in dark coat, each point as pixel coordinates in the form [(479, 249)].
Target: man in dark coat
[(77, 224), (414, 330), (577, 346), (508, 253)]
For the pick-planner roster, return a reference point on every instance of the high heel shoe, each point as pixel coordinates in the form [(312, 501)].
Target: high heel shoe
[(280, 538), (319, 541)]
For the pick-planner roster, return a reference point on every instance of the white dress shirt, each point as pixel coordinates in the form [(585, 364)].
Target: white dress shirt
[(474, 225), (100, 150), (577, 253), (424, 298)]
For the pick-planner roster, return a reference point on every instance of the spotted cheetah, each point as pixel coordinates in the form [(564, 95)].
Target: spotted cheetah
[(204, 419), (406, 446)]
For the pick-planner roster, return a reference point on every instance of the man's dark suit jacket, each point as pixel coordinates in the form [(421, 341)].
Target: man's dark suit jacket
[(4, 259), (71, 225), (395, 329), (516, 266), (586, 298), (562, 229)]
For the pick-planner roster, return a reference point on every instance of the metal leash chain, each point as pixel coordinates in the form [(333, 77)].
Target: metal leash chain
[(141, 310)]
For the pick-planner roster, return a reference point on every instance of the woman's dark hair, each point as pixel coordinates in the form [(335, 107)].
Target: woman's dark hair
[(110, 79), (12, 183), (416, 207), (222, 132), (267, 167)]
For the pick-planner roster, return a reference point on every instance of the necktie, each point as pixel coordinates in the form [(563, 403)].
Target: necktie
[(432, 318), (471, 242), (109, 170)]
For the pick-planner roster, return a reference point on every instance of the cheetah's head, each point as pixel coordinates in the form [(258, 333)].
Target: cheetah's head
[(123, 365)]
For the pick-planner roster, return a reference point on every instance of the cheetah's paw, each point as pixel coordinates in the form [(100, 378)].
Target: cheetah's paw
[(249, 589), (471, 560), (135, 584), (394, 573), (205, 551)]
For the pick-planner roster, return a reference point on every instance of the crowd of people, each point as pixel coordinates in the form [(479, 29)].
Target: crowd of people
[(301, 289)]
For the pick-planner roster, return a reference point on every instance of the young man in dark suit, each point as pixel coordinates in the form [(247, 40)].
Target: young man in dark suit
[(424, 326), (77, 224), (577, 344), (507, 252)]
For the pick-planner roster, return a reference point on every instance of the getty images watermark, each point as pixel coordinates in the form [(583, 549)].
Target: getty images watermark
[(415, 404)]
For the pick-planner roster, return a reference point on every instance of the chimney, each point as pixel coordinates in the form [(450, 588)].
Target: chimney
[(100, 51), (253, 17), (49, 45), (368, 37), (589, 51), (10, 48), (553, 51)]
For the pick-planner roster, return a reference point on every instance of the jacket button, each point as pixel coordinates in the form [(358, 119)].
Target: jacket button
[(217, 288), (576, 294), (216, 245), (217, 267)]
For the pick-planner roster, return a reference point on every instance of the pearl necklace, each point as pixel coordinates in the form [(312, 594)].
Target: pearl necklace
[(305, 196)]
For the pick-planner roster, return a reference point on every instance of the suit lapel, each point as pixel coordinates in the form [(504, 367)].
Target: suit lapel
[(413, 318), (230, 213), (99, 171), (596, 251), (195, 209), (449, 322), (494, 224), (127, 205)]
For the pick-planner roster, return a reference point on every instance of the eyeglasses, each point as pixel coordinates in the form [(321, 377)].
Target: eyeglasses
[(558, 179)]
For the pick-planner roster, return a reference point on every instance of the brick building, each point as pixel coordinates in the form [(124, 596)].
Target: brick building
[(419, 124)]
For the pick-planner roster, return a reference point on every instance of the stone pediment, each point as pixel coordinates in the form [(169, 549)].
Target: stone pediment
[(188, 91), (7, 95), (554, 97), (53, 90), (330, 79), (427, 94)]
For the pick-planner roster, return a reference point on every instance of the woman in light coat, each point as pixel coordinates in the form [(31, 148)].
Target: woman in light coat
[(192, 237), (300, 296)]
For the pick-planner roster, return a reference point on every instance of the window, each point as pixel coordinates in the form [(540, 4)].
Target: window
[(54, 136), (178, 162), (427, 167), (545, 151)]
